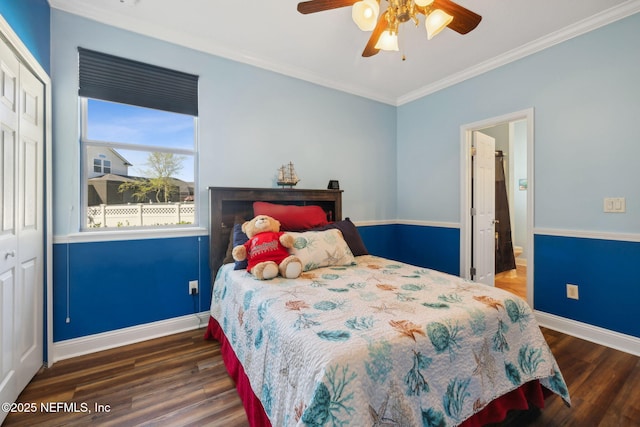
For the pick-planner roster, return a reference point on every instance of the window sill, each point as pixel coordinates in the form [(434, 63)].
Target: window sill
[(134, 234)]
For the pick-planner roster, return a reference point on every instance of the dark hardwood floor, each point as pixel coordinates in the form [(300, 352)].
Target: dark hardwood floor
[(180, 380)]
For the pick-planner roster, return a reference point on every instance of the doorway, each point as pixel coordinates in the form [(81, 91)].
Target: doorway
[(513, 135)]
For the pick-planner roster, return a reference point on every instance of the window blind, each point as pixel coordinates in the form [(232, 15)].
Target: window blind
[(116, 79)]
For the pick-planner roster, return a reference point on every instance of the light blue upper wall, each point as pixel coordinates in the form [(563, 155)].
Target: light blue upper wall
[(251, 121), (585, 93), (30, 20)]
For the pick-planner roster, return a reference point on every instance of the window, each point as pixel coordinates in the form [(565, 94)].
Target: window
[(138, 139), (101, 166)]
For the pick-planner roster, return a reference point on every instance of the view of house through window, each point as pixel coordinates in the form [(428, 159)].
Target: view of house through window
[(138, 165)]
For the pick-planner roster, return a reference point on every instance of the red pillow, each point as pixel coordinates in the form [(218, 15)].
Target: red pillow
[(292, 217)]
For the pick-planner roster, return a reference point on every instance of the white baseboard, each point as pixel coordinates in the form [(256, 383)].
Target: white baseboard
[(106, 340), (595, 334)]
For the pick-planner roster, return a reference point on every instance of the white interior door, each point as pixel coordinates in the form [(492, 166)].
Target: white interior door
[(21, 225), (9, 73), (484, 208), (30, 226)]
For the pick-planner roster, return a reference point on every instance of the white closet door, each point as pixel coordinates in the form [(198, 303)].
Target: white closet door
[(9, 73), (21, 225), (30, 227)]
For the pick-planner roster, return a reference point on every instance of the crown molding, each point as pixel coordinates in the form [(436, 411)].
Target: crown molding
[(86, 10), (596, 21)]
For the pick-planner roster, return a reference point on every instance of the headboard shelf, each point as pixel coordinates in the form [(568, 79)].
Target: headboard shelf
[(228, 204)]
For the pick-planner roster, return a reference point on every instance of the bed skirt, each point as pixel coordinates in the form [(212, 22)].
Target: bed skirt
[(495, 412)]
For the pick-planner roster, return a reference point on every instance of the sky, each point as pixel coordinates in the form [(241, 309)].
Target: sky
[(113, 122)]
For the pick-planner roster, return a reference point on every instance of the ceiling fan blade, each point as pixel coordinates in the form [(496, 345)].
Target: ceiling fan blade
[(464, 20), (370, 48), (313, 6)]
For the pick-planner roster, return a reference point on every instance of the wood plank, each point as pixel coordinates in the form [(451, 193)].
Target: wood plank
[(180, 380), (514, 281)]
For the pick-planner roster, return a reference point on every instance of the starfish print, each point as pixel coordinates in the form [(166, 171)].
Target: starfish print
[(372, 278), (296, 305), (294, 292), (379, 420), (333, 258), (384, 308), (487, 300), (485, 364)]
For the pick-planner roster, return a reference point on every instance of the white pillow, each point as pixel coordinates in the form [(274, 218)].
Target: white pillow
[(321, 249)]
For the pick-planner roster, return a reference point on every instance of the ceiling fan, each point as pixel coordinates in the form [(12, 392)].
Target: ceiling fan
[(439, 14)]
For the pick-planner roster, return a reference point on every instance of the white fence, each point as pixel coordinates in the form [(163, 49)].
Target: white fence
[(140, 214)]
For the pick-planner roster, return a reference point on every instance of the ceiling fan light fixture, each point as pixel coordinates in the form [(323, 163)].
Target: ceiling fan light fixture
[(388, 41), (437, 21), (384, 24), (365, 14)]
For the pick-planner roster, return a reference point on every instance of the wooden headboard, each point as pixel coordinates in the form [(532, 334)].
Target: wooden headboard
[(228, 203)]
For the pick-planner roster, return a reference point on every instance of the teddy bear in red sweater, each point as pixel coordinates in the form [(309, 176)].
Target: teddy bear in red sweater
[(267, 250)]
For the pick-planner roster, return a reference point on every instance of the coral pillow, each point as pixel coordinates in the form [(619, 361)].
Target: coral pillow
[(292, 217)]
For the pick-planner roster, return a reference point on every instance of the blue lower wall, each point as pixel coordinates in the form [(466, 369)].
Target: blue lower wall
[(117, 284), (606, 273), (114, 285), (437, 248)]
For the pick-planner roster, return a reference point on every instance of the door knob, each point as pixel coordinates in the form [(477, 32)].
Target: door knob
[(10, 253)]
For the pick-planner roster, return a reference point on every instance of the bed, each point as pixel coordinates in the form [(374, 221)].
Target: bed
[(364, 340)]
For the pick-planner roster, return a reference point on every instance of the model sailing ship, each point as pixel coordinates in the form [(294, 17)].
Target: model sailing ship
[(287, 176)]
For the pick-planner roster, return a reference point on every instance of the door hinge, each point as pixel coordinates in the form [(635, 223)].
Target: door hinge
[(473, 211), (472, 271), (473, 151)]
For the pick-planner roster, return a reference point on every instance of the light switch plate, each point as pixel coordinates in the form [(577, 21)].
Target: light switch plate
[(615, 204)]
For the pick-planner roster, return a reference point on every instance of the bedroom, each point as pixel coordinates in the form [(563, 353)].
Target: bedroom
[(584, 92)]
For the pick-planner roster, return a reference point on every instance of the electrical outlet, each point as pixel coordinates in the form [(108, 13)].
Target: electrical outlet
[(193, 287), (572, 291)]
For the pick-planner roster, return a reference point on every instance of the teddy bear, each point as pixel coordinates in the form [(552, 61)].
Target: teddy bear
[(267, 250)]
